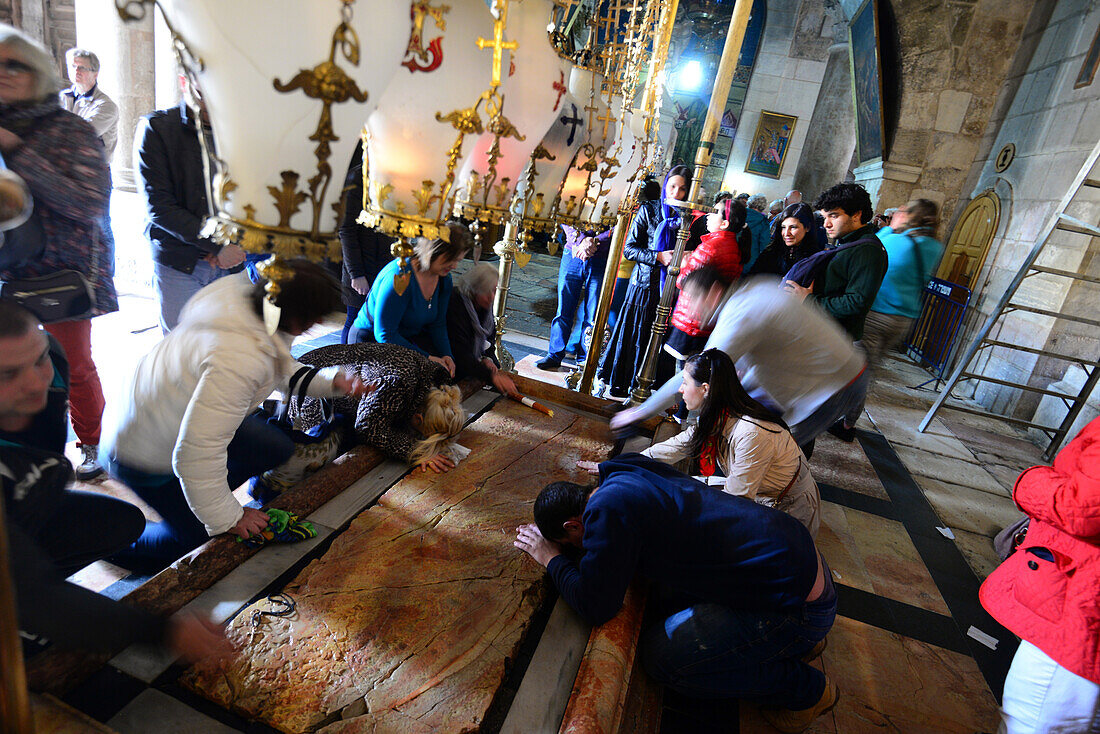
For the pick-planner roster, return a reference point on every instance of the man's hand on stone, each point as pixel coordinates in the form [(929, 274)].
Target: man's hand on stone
[(591, 467), (530, 541)]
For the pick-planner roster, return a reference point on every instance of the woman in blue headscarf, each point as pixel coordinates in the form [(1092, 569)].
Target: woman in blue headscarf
[(649, 244), (793, 239)]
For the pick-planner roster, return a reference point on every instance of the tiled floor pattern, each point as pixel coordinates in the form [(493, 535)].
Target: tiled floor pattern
[(900, 659)]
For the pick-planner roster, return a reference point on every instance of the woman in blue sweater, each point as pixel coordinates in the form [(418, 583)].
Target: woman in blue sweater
[(417, 318)]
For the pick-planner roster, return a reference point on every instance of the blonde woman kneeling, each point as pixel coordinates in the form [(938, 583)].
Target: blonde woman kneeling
[(411, 415)]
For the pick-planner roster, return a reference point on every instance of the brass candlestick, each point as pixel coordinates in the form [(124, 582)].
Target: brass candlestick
[(730, 51), (511, 248)]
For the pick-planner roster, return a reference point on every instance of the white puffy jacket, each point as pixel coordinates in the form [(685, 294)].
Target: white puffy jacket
[(186, 398)]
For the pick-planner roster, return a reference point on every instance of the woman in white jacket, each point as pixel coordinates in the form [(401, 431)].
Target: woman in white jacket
[(183, 436)]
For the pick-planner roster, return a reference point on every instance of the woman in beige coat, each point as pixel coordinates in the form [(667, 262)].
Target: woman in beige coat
[(742, 448)]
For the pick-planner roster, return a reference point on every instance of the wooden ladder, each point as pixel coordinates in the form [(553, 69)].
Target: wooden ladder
[(1058, 222)]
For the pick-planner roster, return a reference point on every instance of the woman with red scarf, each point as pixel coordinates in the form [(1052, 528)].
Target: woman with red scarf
[(741, 439)]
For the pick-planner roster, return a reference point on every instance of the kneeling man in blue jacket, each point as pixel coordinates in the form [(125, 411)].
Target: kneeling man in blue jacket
[(753, 598)]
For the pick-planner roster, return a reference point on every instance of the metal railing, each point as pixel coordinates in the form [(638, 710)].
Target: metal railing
[(932, 339)]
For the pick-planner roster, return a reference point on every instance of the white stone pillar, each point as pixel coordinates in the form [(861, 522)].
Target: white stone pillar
[(125, 52)]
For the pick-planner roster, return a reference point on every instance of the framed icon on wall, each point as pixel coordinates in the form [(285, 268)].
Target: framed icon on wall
[(1092, 60), (866, 65), (770, 144)]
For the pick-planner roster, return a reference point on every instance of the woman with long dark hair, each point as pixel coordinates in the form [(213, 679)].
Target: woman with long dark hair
[(793, 239), (741, 438), (649, 244)]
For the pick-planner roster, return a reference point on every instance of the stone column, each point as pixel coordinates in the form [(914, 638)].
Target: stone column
[(125, 53), (889, 184), (831, 136)]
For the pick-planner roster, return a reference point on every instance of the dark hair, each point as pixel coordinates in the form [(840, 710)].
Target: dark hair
[(851, 198), (680, 170), (556, 503), (651, 190), (733, 211), (722, 196), (923, 214), (726, 396), (802, 213), (306, 298), (15, 320), (705, 278), (458, 242)]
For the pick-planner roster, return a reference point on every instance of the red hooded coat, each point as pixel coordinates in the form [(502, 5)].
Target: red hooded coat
[(719, 249), (1055, 604)]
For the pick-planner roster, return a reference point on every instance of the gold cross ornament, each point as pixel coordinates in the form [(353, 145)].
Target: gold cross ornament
[(498, 43), (610, 118)]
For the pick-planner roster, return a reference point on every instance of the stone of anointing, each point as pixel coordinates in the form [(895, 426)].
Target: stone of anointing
[(406, 623)]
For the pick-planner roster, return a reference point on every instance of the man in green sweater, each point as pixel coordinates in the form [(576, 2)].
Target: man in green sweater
[(850, 281)]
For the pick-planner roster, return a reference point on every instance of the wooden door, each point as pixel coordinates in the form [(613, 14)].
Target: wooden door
[(970, 240)]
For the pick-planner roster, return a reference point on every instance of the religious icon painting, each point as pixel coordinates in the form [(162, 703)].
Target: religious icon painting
[(866, 65), (770, 144), (1088, 66)]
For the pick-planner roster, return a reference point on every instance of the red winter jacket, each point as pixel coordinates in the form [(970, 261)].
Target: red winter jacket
[(719, 249), (1055, 604)]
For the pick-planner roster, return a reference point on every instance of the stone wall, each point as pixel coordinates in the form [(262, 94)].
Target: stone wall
[(955, 56), (1054, 127), (788, 73)]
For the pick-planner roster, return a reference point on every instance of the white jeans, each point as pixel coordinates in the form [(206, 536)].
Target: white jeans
[(1042, 697)]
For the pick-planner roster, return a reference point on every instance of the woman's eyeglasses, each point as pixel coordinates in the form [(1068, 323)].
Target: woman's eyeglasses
[(14, 66)]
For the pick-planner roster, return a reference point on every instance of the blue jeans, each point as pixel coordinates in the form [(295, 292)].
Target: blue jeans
[(256, 447), (713, 651), (174, 288), (578, 285), (832, 410)]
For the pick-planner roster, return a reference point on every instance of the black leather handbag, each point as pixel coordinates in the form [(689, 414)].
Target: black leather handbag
[(61, 296)]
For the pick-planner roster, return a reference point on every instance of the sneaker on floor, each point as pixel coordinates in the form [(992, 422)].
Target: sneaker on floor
[(792, 721), (548, 362), (843, 432), (89, 468)]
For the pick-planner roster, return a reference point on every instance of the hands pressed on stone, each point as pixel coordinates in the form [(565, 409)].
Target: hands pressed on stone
[(530, 541), (592, 467), (437, 463)]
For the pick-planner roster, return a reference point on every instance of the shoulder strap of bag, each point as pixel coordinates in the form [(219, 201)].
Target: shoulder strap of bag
[(920, 260), (303, 386)]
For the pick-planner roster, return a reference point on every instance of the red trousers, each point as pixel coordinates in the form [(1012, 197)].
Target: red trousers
[(85, 391)]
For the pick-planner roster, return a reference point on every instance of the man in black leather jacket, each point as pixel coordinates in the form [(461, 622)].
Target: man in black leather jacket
[(170, 176)]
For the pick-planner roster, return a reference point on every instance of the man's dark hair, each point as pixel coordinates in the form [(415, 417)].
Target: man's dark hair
[(306, 298), (704, 279), (851, 198), (556, 503), (651, 190), (15, 321)]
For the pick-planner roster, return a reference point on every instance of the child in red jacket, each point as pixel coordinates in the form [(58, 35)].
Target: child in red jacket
[(722, 249), (1048, 593)]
